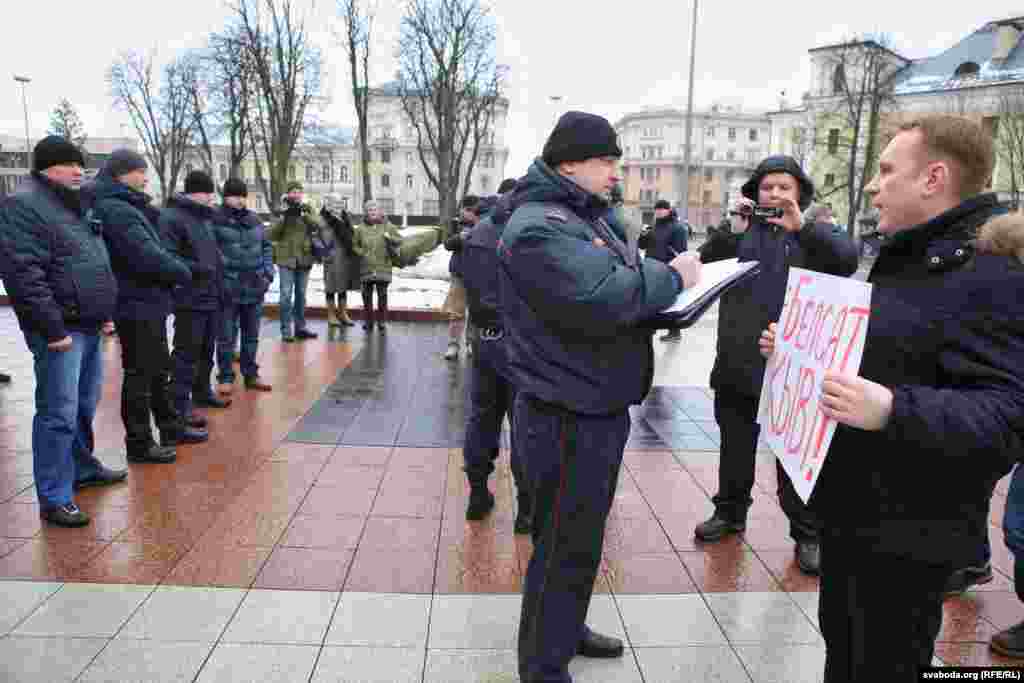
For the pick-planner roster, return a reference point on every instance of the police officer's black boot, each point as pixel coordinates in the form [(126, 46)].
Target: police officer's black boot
[(718, 527), (481, 501), (524, 515)]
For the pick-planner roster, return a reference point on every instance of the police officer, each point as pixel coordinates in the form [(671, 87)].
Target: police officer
[(491, 390), (572, 294)]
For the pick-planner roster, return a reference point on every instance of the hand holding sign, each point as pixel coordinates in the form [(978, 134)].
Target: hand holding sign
[(855, 401), (820, 334)]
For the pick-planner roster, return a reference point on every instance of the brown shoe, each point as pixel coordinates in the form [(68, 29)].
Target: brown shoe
[(225, 389), (256, 383)]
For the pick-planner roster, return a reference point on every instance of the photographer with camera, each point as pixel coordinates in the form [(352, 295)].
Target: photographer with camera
[(455, 303), (292, 237), (773, 233)]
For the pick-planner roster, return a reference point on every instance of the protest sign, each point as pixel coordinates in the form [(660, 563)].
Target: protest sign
[(822, 327)]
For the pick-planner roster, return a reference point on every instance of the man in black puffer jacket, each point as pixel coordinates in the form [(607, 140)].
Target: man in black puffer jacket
[(663, 242), (744, 311), (57, 273), (187, 225), (146, 271)]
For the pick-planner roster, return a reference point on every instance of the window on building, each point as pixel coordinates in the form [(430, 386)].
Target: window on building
[(327, 173), (709, 175), (729, 175), (753, 155), (732, 135), (409, 159), (657, 174), (388, 205), (753, 135), (707, 197), (833, 141), (343, 174), (730, 155), (385, 180), (967, 70), (838, 80), (709, 131), (488, 160), (310, 173), (709, 154), (293, 173), (223, 171), (725, 199), (385, 156), (259, 201), (485, 184), (410, 181), (344, 203), (830, 179), (431, 207)]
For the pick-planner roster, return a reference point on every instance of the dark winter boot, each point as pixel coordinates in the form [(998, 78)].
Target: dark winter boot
[(481, 502), (524, 515), (717, 527)]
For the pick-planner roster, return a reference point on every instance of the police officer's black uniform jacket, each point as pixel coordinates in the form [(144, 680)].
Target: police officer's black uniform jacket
[(54, 262), (746, 310), (946, 335), (571, 305)]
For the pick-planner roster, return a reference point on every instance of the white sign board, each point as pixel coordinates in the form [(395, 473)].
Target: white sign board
[(822, 327)]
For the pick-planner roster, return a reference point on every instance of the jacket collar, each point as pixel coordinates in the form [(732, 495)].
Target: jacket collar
[(67, 197), (944, 241), (543, 184), (180, 201)]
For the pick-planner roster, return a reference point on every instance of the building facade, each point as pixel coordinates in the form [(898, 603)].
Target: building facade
[(727, 143)]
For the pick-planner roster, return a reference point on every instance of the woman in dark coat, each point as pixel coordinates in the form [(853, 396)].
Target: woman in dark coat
[(341, 267)]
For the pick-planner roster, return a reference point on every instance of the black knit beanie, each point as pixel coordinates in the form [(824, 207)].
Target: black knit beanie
[(198, 181), (579, 136), (124, 161), (780, 164), (235, 187), (53, 150)]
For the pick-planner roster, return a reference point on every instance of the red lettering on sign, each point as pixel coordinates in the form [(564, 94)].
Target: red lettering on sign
[(795, 308)]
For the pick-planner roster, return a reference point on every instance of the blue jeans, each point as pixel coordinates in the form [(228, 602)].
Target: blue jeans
[(67, 392), (293, 280), (246, 316)]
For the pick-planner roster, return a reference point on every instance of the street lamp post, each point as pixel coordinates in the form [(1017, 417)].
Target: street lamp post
[(24, 103), (689, 117), (555, 99)]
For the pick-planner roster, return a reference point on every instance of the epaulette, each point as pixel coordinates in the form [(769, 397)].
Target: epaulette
[(556, 215)]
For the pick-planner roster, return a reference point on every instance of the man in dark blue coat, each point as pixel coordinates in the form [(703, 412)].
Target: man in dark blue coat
[(146, 271), (572, 297), (935, 416), (57, 272), (491, 391), (248, 272), (744, 311), (187, 225), (665, 241)]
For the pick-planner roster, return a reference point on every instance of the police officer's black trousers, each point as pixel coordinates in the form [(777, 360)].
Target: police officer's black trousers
[(491, 398), (572, 462), (736, 415), (879, 614), (145, 388), (195, 335)]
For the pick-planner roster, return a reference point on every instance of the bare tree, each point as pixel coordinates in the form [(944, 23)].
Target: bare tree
[(286, 67), (160, 110), (450, 88), (65, 122), (862, 73), (356, 36), (1009, 139)]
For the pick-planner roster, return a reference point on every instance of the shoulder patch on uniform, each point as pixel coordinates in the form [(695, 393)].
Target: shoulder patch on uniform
[(556, 215)]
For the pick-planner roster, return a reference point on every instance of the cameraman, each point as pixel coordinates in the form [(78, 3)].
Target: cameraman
[(745, 310), (293, 255), (455, 302), (663, 242)]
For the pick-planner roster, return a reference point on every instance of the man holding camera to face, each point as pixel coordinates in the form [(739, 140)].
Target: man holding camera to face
[(774, 234)]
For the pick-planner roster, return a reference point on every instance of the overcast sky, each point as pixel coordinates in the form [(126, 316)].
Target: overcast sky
[(609, 62)]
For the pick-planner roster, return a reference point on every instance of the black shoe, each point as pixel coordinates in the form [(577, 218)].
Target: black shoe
[(481, 502), (599, 646), (808, 557), (196, 420), (524, 523), (305, 334), (671, 336), (68, 515), (962, 579), (287, 339), (104, 477), (187, 435), (211, 400), (717, 528), (368, 325), (5, 378), (1009, 642), (155, 454)]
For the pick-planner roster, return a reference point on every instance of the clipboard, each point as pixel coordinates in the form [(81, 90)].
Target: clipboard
[(716, 279)]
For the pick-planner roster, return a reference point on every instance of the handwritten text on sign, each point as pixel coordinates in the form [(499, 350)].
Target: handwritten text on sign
[(822, 327)]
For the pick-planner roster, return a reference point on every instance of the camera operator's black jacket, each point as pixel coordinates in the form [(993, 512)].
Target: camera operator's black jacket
[(188, 228), (946, 335), (746, 310)]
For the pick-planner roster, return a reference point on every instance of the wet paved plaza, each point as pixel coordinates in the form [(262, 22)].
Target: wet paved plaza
[(320, 536)]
